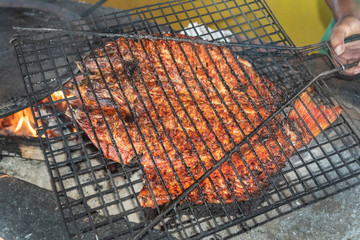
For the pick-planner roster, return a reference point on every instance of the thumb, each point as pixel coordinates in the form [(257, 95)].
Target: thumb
[(344, 28), (337, 37)]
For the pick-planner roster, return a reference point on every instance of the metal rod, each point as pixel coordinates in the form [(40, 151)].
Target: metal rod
[(316, 46), (91, 9)]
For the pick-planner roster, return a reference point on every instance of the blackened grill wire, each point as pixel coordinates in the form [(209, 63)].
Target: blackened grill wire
[(215, 112), (211, 106), (333, 128), (128, 105), (41, 132), (217, 165), (139, 129), (112, 138), (89, 162), (140, 12), (183, 128), (151, 16), (178, 153), (272, 51), (162, 125), (250, 24), (311, 49), (113, 143), (168, 136), (33, 101), (158, 118), (72, 164), (240, 220), (88, 211)]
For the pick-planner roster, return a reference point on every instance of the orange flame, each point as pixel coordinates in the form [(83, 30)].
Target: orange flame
[(22, 123), (18, 124)]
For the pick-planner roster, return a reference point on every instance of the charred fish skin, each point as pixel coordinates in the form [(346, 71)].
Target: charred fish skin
[(183, 106)]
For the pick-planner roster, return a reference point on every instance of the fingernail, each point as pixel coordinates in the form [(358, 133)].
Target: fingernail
[(357, 71), (338, 50)]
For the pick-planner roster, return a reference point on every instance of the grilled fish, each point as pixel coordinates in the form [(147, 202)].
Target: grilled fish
[(183, 106)]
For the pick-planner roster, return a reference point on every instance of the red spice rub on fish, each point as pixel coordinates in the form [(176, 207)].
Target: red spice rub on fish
[(182, 106)]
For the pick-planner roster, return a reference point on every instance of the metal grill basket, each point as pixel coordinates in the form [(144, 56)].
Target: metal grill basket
[(99, 197)]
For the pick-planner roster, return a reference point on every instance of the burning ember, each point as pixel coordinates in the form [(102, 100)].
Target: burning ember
[(22, 123)]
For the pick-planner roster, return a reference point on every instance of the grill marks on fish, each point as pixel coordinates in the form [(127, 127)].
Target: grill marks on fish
[(192, 104)]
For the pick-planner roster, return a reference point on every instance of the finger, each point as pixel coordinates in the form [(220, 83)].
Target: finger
[(337, 39), (352, 71), (344, 28)]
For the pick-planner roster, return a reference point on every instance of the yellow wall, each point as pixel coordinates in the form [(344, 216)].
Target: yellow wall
[(304, 21)]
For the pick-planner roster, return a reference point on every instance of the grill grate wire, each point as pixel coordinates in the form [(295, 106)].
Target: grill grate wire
[(46, 57)]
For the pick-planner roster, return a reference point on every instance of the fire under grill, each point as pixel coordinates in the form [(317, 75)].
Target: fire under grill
[(100, 198)]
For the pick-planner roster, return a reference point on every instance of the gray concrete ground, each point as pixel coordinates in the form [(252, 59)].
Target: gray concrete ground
[(336, 217)]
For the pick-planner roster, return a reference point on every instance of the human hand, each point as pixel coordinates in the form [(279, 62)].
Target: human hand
[(349, 52)]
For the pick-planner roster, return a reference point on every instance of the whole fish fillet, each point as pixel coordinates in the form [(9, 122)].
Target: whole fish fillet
[(181, 107)]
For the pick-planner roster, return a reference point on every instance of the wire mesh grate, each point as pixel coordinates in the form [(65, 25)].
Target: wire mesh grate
[(99, 198)]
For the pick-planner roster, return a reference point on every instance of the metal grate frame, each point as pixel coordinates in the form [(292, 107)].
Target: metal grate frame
[(98, 197)]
